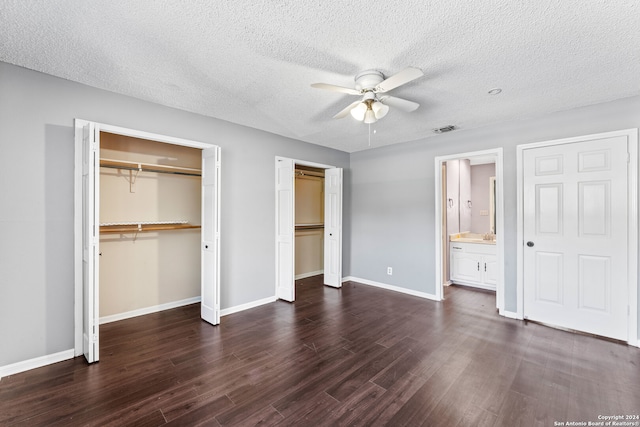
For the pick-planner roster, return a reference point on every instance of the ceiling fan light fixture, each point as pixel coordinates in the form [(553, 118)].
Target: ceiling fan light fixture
[(369, 84), (359, 111), (379, 109), (370, 116)]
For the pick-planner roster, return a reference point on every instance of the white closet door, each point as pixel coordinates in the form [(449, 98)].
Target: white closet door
[(90, 240), (210, 247), (333, 227), (285, 229)]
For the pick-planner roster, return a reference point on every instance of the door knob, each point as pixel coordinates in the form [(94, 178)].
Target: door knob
[(530, 243)]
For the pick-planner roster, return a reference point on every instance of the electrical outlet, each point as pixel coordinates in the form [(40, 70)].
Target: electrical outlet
[(389, 271)]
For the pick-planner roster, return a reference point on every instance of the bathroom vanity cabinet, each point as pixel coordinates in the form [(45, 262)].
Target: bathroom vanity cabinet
[(474, 264)]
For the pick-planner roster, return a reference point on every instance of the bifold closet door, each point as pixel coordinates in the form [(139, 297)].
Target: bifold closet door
[(333, 227), (90, 240), (210, 245), (285, 230)]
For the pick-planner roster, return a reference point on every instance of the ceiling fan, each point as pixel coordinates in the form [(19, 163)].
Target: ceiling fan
[(370, 85)]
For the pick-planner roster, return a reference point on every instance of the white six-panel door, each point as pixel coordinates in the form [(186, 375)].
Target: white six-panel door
[(333, 227), (90, 240), (575, 236)]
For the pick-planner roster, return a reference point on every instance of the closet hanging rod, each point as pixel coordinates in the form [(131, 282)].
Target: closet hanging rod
[(148, 167), (125, 227), (314, 174)]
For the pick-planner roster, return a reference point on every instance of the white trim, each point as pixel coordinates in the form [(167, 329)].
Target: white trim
[(500, 241), (632, 218), (247, 306), (390, 287), (309, 274), (79, 124), (153, 136), (77, 237), (306, 163), (148, 310), (474, 285), (519, 232), (509, 315), (632, 200), (38, 362)]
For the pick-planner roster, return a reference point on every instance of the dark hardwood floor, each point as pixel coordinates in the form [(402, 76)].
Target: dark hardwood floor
[(352, 356)]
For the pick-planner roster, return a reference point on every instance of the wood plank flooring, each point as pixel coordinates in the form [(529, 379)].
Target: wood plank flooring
[(358, 356)]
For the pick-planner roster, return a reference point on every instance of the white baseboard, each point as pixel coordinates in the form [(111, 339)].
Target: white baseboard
[(390, 287), (247, 306), (310, 274), (148, 310), (475, 285), (38, 362), (510, 314)]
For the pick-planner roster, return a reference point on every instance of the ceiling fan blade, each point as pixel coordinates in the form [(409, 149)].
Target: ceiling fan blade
[(399, 103), (346, 111), (398, 79), (335, 88)]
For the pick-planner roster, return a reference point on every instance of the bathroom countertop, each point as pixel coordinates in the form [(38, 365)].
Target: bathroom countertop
[(471, 238)]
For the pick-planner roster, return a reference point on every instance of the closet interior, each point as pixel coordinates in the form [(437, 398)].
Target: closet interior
[(309, 221), (150, 213)]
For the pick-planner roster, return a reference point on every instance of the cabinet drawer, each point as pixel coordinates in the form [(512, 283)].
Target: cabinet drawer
[(476, 248)]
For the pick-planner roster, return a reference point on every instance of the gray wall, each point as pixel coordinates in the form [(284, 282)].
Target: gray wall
[(392, 193), (36, 208), (388, 203)]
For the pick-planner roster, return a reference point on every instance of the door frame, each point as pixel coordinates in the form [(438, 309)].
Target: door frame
[(439, 195), (632, 220), (79, 200), (297, 162)]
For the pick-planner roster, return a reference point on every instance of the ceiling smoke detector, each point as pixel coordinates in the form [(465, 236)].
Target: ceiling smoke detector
[(444, 129)]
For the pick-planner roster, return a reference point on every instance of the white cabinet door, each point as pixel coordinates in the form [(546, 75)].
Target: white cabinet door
[(466, 267), (474, 264), (490, 273), (575, 234)]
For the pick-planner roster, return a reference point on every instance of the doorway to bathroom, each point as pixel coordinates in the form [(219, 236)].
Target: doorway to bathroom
[(469, 222)]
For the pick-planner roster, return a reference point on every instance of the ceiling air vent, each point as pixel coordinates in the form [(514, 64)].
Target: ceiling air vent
[(444, 129)]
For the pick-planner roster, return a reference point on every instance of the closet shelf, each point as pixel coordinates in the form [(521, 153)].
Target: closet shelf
[(148, 167), (142, 227)]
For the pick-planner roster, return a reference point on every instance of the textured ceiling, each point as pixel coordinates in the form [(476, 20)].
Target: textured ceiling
[(252, 62)]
